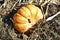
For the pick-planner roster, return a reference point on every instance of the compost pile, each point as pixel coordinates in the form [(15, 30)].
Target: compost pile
[(45, 31)]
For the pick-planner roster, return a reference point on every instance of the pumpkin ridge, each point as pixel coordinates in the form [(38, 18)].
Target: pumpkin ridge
[(34, 7), (17, 16), (21, 15), (36, 13), (31, 13), (25, 9), (24, 16)]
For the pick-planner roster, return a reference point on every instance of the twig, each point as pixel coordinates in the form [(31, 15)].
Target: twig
[(45, 3), (46, 13), (50, 18), (14, 5)]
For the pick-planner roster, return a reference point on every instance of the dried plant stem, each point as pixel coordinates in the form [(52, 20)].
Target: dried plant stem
[(45, 2), (50, 18), (14, 5), (46, 13)]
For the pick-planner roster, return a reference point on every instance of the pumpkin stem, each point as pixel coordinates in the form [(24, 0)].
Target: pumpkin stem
[(29, 21)]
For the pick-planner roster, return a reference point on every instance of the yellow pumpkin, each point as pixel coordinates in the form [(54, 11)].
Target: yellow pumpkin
[(26, 17)]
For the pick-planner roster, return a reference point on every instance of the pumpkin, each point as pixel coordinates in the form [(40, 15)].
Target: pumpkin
[(26, 17)]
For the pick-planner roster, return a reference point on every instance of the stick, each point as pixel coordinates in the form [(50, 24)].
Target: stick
[(50, 18)]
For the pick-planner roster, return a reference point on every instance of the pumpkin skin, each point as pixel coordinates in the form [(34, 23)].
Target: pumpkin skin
[(26, 17)]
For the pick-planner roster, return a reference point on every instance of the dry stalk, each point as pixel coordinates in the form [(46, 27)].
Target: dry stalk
[(47, 1), (50, 18)]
